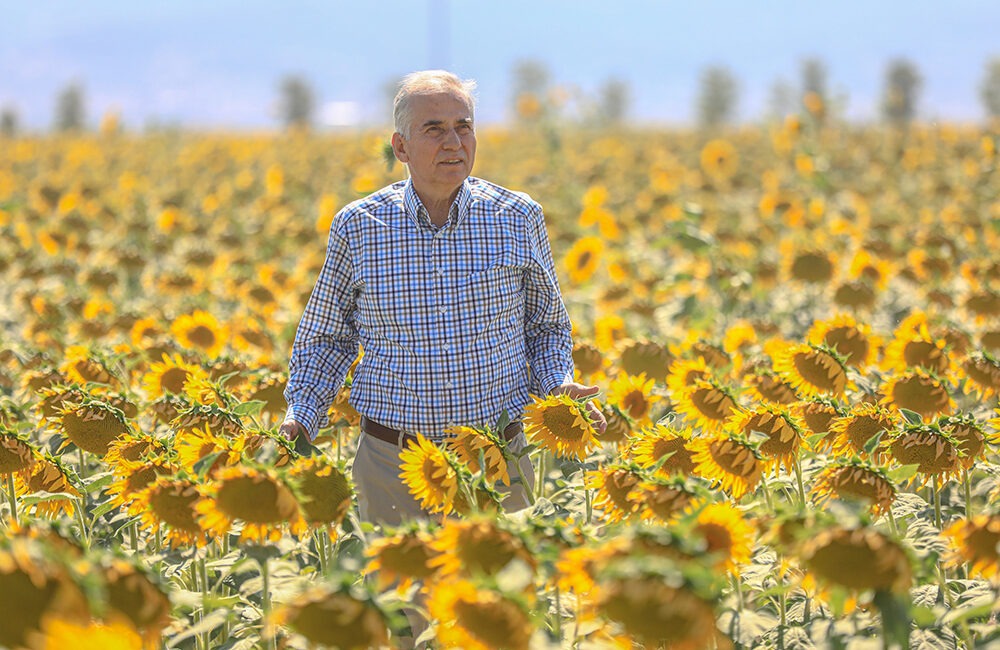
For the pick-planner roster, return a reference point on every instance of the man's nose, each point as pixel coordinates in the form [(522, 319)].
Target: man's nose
[(452, 140)]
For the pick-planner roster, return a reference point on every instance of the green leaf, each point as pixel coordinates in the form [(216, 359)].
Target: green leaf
[(911, 417), (204, 464), (874, 442), (895, 617), (99, 481), (251, 408), (44, 497), (903, 473)]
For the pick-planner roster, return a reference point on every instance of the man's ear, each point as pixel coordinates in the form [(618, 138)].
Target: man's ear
[(399, 148)]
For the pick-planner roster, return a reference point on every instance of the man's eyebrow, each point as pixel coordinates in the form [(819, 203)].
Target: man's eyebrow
[(464, 120)]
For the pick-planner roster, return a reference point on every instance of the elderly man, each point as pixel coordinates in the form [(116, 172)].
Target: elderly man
[(447, 283)]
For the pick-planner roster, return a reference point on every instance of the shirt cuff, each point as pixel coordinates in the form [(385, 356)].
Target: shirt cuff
[(550, 382), (306, 416)]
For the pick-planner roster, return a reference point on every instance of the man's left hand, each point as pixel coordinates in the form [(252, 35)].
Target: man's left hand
[(580, 391)]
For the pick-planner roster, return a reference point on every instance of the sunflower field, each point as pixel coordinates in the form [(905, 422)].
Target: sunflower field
[(795, 328)]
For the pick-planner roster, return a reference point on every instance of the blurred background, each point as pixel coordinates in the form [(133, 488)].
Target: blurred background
[(251, 65)]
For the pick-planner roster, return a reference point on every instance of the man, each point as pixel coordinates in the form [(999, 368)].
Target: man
[(447, 283)]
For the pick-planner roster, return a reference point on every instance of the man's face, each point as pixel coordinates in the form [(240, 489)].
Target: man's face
[(441, 148)]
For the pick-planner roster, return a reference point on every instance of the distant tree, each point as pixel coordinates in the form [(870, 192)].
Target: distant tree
[(529, 89), (989, 91), (718, 97), (902, 85), (781, 101), (70, 108), (613, 99), (298, 104), (815, 96), (8, 121)]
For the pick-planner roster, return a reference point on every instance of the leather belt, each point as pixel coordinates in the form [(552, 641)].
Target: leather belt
[(396, 437)]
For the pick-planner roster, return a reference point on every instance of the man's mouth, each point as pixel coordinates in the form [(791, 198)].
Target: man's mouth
[(454, 161)]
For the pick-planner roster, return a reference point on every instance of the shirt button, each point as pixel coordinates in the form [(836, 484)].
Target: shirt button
[(449, 385), (446, 347), (443, 310)]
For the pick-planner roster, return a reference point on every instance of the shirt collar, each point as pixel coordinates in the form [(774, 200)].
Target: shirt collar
[(457, 213)]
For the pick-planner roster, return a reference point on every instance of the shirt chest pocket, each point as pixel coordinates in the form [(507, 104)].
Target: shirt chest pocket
[(494, 296)]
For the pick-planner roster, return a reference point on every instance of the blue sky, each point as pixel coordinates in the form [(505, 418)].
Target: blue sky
[(218, 64)]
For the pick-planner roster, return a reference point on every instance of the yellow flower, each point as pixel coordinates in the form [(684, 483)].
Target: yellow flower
[(479, 619), (727, 534), (615, 485), (334, 617), (468, 443), (200, 331), (634, 396), (852, 340), (94, 635), (731, 462), (92, 425), (719, 160), (934, 452), (850, 433), (855, 480), (17, 453), (650, 358), (560, 425), (323, 491), (169, 504), (583, 258), (429, 475), (813, 266), (982, 376), (974, 543), (665, 447), (169, 376), (783, 430), (403, 558), (917, 350), (811, 370), (475, 547), (707, 404), (858, 559), (683, 373), (256, 497), (918, 391), (50, 475)]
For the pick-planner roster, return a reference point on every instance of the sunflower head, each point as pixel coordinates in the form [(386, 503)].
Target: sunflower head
[(470, 445), (812, 370), (323, 491), (169, 505), (634, 396), (257, 497), (431, 475), (479, 546), (731, 461), (200, 331), (664, 448), (727, 534), (336, 615), (858, 559), (647, 358), (918, 391), (560, 424), (17, 453), (850, 339), (583, 258), (934, 452), (480, 618), (134, 596), (92, 425), (855, 480), (169, 376), (969, 434), (707, 404), (587, 359), (50, 474), (783, 432), (850, 434), (982, 375), (975, 543), (615, 485), (403, 558)]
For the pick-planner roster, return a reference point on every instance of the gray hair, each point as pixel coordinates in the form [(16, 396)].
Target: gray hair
[(428, 82)]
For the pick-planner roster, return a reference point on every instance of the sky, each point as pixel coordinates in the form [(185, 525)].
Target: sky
[(218, 63)]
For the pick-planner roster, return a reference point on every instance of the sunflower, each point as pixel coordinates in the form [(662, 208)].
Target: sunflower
[(645, 357), (719, 160), (133, 476), (256, 497), (134, 598), (17, 453), (82, 365), (430, 475), (587, 359), (663, 500), (729, 460), (560, 424), (582, 259), (145, 331), (969, 434), (982, 376), (61, 633), (473, 547), (918, 391), (855, 480), (855, 294), (714, 355), (169, 376), (199, 331), (609, 329), (168, 407), (133, 446), (51, 475), (469, 443), (683, 373), (975, 543), (818, 413), (634, 396), (917, 350), (220, 421), (665, 448), (858, 559), (323, 492), (403, 558), (657, 611), (615, 485), (270, 389), (335, 616), (728, 536), (813, 266), (850, 433), (169, 505), (811, 370), (193, 445), (783, 430), (851, 340), (769, 387), (934, 452), (619, 427), (92, 425), (707, 403), (478, 618)]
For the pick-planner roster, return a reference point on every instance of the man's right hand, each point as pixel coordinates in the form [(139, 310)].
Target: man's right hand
[(291, 430)]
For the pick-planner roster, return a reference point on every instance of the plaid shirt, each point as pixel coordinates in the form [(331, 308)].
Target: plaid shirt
[(457, 323)]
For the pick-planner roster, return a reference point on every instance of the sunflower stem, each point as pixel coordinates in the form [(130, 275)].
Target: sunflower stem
[(133, 535), (767, 493), (936, 491), (84, 534), (738, 587), (203, 570), (588, 497), (968, 493), (528, 489), (320, 550), (339, 443), (265, 601), (558, 615), (12, 497), (892, 521), (541, 474), (798, 480)]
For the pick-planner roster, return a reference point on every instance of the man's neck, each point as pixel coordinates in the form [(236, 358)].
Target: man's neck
[(437, 206)]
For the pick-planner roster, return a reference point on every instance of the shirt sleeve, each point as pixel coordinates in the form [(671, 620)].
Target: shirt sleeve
[(326, 341), (547, 327)]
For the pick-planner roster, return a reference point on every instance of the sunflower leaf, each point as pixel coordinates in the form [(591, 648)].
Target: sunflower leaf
[(874, 442), (99, 481), (250, 408), (204, 464), (903, 473), (911, 417)]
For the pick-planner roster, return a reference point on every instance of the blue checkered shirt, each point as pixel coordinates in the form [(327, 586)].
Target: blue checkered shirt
[(457, 323)]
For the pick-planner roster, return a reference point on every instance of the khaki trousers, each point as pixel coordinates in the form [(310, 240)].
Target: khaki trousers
[(384, 499)]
